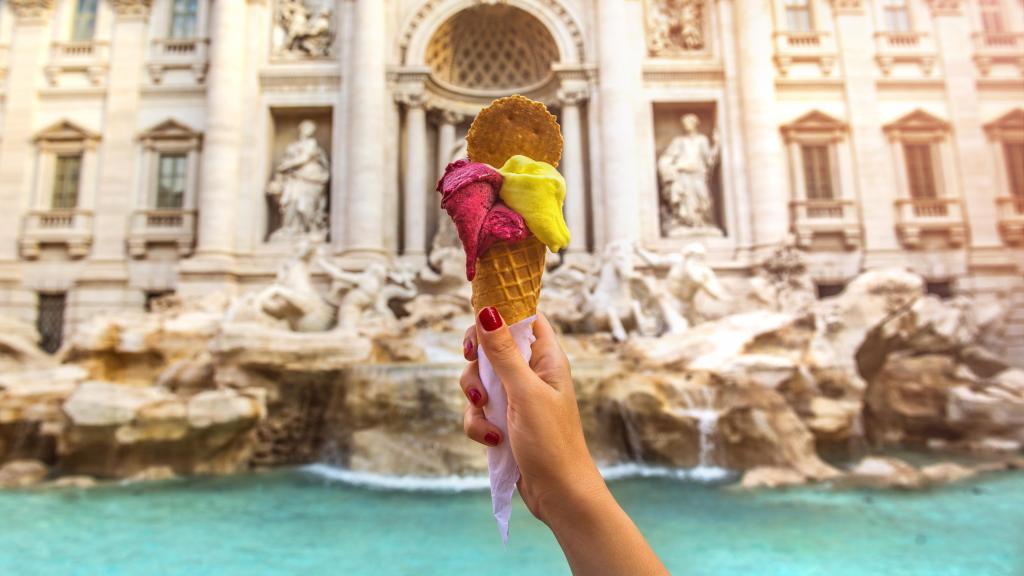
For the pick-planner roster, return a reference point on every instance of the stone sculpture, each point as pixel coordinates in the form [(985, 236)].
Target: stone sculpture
[(675, 26), (619, 293), (782, 281), (684, 169), (300, 187), (363, 298), (293, 298), (688, 275), (303, 33)]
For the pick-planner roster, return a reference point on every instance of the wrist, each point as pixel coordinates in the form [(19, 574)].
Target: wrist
[(582, 498)]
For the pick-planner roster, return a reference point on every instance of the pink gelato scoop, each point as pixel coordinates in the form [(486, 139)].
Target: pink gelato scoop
[(470, 196)]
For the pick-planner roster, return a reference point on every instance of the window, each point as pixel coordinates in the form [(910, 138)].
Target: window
[(940, 288), (829, 289), (920, 171), (897, 16), (798, 15), (171, 175), (1014, 152), (991, 17), (84, 25), (183, 18), (50, 321), (66, 180), (817, 171)]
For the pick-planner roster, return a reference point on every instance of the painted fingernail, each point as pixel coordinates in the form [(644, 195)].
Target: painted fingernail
[(467, 350), (490, 319), (474, 396), (491, 438)]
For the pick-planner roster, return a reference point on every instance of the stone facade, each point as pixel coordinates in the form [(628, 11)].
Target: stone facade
[(138, 140)]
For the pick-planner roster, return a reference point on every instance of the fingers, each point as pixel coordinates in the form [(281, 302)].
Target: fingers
[(469, 343), (548, 359), (478, 429), (471, 385), (504, 355)]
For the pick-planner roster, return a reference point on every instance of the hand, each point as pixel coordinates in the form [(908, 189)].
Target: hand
[(543, 420)]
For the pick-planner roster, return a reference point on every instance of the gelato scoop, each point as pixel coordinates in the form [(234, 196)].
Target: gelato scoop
[(537, 192)]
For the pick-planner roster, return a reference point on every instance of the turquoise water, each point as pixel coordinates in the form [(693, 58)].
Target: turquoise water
[(297, 522)]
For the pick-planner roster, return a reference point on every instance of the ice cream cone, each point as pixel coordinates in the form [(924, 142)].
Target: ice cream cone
[(508, 278)]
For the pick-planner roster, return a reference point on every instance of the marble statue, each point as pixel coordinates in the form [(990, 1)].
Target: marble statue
[(619, 293), (293, 298), (675, 26), (688, 275), (300, 186), (782, 280), (685, 169), (303, 33), (363, 298)]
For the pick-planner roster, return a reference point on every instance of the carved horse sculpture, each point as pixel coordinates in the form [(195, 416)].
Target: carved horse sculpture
[(619, 293)]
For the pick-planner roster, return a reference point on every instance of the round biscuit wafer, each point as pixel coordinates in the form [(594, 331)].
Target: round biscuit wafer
[(514, 125)]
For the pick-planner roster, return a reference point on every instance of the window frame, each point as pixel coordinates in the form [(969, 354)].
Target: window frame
[(60, 182), (169, 137), (806, 9), (84, 29), (888, 9), (173, 16), (992, 12), (178, 176)]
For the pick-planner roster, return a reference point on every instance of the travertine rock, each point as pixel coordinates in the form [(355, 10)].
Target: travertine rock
[(22, 473), (946, 473), (771, 477), (883, 472)]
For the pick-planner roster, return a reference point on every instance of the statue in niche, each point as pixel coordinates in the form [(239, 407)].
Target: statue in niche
[(685, 170), (302, 32), (688, 275), (675, 26), (300, 187)]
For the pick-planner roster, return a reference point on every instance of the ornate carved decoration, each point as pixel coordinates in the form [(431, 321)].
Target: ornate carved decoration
[(66, 133), (816, 126), (1007, 128), (573, 95), (300, 32), (945, 7), (171, 131), (848, 6), (31, 9), (675, 26), (131, 8)]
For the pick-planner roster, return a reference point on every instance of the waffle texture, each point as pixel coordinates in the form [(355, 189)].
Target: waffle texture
[(508, 277)]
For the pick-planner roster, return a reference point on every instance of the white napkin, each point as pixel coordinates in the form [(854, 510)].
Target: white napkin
[(501, 464)]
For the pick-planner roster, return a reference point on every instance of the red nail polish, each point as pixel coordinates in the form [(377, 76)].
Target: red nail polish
[(474, 396), (492, 438), (467, 350), (490, 319)]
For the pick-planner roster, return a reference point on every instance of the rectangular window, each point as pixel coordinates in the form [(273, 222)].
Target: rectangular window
[(897, 16), (84, 25), (920, 171), (50, 321), (66, 179), (184, 14), (817, 172), (992, 17), (171, 177), (1014, 152), (798, 15)]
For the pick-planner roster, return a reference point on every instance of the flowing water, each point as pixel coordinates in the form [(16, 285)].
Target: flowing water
[(323, 521)]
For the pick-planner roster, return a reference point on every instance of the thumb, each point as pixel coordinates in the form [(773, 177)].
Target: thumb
[(505, 357)]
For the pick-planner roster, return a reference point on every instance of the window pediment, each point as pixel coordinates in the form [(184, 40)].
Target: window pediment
[(917, 126), (814, 126), (1007, 128), (66, 134), (171, 133)]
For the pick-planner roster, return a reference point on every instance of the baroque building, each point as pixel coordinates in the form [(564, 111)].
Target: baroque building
[(151, 146)]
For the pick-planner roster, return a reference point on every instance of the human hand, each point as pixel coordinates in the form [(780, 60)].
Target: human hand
[(544, 429)]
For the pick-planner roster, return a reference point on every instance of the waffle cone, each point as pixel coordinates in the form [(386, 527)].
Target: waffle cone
[(508, 278)]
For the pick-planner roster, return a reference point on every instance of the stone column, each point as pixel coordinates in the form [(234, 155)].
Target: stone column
[(572, 165), (876, 182), (222, 143), (446, 138), (620, 80), (364, 234), (766, 160), (116, 192), (975, 163), (414, 201), (30, 43)]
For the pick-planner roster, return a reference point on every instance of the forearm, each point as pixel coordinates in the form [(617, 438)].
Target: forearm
[(598, 537)]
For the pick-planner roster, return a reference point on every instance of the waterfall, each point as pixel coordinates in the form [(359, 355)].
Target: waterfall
[(701, 408)]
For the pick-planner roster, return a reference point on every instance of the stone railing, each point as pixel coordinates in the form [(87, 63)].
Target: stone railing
[(938, 216), (1011, 218), (913, 48), (151, 227), (816, 48), (70, 228), (815, 218), (87, 58), (1001, 48), (188, 54)]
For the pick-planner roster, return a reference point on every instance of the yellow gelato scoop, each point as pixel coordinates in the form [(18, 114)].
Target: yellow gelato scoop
[(536, 191)]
